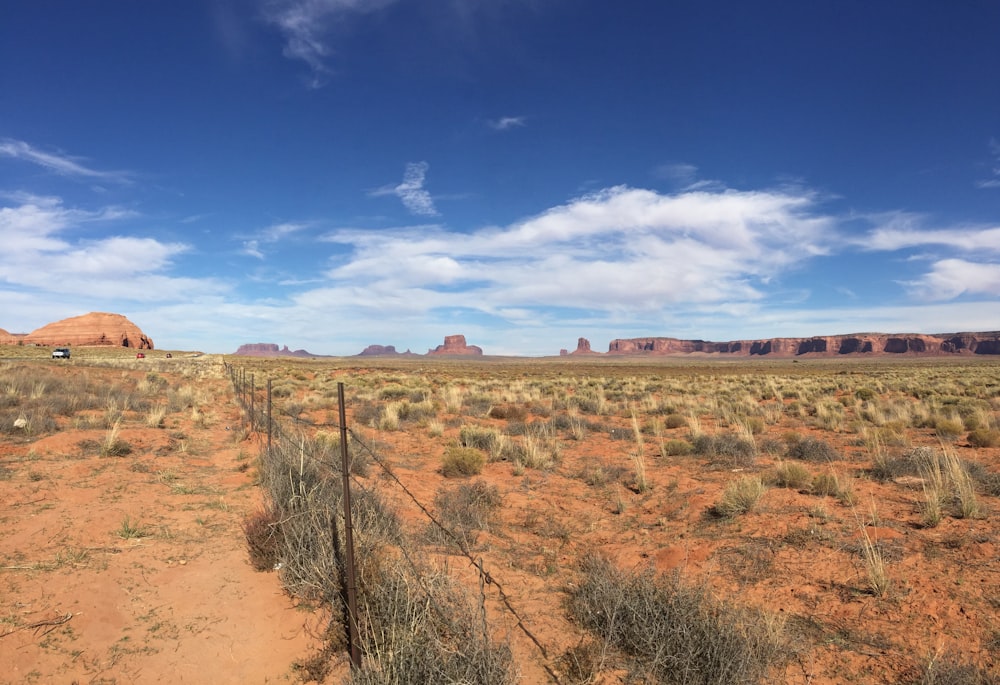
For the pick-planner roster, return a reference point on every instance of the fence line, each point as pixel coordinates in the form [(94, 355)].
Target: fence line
[(274, 430)]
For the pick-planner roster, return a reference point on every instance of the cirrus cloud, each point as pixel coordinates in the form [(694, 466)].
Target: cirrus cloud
[(60, 164)]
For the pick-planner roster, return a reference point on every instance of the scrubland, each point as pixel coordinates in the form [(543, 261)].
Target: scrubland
[(570, 520)]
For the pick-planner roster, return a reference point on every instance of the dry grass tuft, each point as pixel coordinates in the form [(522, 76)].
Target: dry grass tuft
[(792, 475), (740, 496)]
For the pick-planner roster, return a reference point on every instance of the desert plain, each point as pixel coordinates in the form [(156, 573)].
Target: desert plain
[(574, 520)]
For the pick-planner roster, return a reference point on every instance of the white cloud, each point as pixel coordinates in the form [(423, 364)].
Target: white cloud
[(39, 253), (506, 123), (411, 190), (60, 164), (276, 232), (306, 27), (968, 273), (951, 278), (622, 249), (903, 231)]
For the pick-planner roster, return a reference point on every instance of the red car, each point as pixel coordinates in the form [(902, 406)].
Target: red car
[(140, 356)]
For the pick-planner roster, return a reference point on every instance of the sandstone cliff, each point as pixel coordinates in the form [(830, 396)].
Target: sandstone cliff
[(93, 329), (9, 338), (855, 344), (455, 344)]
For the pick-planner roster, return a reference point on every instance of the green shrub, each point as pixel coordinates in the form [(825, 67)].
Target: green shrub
[(462, 461), (676, 448)]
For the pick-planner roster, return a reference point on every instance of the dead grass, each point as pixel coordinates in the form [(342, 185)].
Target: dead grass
[(577, 488), (675, 631), (740, 496)]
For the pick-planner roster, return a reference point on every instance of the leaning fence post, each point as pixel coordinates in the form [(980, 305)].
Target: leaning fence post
[(352, 589), (268, 417), (253, 391)]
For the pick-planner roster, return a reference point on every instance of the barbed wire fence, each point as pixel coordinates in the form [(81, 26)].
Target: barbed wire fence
[(272, 431)]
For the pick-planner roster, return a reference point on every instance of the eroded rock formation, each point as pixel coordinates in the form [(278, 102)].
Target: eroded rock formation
[(455, 344), (93, 329), (583, 347)]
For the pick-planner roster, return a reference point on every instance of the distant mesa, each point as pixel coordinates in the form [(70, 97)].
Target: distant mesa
[(96, 329), (455, 344), (270, 350), (384, 351), (863, 344)]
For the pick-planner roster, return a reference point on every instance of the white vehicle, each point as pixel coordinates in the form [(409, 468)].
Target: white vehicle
[(60, 353)]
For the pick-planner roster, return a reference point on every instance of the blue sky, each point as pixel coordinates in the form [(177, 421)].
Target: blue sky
[(329, 174)]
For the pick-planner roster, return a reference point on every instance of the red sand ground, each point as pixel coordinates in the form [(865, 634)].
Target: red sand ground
[(80, 604)]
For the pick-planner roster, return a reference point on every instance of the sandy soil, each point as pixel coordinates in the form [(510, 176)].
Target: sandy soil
[(179, 602), (81, 603), (798, 555)]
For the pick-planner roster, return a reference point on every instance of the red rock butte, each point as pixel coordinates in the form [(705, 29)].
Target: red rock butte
[(455, 344), (91, 330)]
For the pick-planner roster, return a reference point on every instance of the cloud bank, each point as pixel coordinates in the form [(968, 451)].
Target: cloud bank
[(622, 249)]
